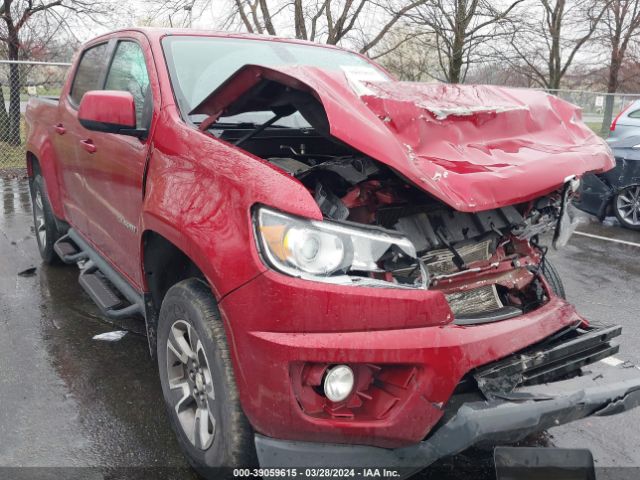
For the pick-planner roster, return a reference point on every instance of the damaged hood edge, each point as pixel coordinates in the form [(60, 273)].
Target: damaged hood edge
[(473, 147)]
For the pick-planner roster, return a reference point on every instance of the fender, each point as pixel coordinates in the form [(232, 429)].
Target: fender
[(199, 194)]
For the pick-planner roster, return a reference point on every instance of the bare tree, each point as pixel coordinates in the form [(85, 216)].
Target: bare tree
[(549, 36), (459, 29), (364, 23), (16, 35), (175, 13), (620, 24), (495, 72), (407, 53)]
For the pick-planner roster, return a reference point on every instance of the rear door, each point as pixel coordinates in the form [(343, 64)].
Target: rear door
[(114, 171), (67, 133)]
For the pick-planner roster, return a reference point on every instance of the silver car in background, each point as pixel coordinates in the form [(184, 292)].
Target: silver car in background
[(627, 123)]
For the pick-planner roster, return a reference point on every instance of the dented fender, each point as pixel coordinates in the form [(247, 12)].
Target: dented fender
[(200, 192)]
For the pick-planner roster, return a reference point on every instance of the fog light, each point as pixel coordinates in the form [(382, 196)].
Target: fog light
[(338, 383)]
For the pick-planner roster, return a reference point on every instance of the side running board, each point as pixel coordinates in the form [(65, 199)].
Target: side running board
[(68, 251), (113, 295)]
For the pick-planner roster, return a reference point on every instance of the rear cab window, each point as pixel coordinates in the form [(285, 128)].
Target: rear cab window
[(88, 73)]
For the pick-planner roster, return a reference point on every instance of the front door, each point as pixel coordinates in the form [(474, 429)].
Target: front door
[(114, 170), (67, 134)]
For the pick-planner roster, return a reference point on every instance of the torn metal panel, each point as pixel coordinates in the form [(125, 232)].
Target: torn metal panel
[(564, 356), (567, 220), (494, 147), (442, 113)]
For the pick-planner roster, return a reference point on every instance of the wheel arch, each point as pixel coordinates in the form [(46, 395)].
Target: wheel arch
[(164, 264), (38, 163), (33, 164)]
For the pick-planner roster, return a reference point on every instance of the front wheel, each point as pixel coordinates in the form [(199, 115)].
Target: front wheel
[(44, 222), (626, 206), (553, 278), (198, 381)]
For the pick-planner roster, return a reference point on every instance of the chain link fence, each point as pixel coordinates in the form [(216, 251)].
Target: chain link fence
[(20, 80), (598, 109)]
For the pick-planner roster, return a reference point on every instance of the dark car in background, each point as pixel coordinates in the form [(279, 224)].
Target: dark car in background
[(616, 191)]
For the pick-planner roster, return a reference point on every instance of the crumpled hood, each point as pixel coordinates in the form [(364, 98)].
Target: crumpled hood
[(474, 147)]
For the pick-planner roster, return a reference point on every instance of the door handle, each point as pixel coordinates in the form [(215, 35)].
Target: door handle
[(59, 128), (88, 145)]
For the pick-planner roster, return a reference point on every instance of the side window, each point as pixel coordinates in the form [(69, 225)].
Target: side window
[(128, 72), (88, 72), (634, 114)]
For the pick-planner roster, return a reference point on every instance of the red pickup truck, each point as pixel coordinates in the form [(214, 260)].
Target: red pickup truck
[(334, 267)]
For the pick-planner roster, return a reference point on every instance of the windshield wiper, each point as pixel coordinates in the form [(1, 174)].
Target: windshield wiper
[(280, 113), (242, 125), (238, 125)]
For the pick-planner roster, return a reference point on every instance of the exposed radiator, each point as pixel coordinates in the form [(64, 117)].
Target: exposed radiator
[(440, 262), (478, 300)]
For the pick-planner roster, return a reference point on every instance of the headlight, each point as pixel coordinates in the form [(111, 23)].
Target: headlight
[(336, 252)]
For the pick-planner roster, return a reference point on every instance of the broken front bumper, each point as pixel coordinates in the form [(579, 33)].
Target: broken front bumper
[(603, 390)]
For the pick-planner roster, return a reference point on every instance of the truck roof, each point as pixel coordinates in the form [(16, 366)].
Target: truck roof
[(157, 33)]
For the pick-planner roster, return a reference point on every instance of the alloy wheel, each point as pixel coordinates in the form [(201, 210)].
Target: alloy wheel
[(628, 205), (191, 384)]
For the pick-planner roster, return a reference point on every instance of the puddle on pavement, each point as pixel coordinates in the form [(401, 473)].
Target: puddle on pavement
[(69, 400), (16, 201)]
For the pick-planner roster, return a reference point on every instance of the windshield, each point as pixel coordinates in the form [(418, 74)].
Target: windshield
[(198, 65)]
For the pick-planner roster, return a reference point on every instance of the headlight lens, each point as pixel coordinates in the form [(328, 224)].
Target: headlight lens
[(314, 251), (336, 252)]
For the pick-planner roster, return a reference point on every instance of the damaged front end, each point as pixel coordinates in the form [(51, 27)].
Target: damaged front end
[(401, 221), (420, 189), (381, 231)]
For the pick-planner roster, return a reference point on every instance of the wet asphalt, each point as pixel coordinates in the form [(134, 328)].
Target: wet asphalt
[(69, 401)]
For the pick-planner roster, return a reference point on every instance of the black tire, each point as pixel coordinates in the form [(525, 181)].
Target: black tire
[(631, 196), (191, 302), (44, 222), (553, 278)]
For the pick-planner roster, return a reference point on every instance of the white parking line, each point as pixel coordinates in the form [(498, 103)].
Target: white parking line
[(613, 361), (614, 240)]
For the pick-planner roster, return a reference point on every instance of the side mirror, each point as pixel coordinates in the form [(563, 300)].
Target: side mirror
[(109, 111)]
